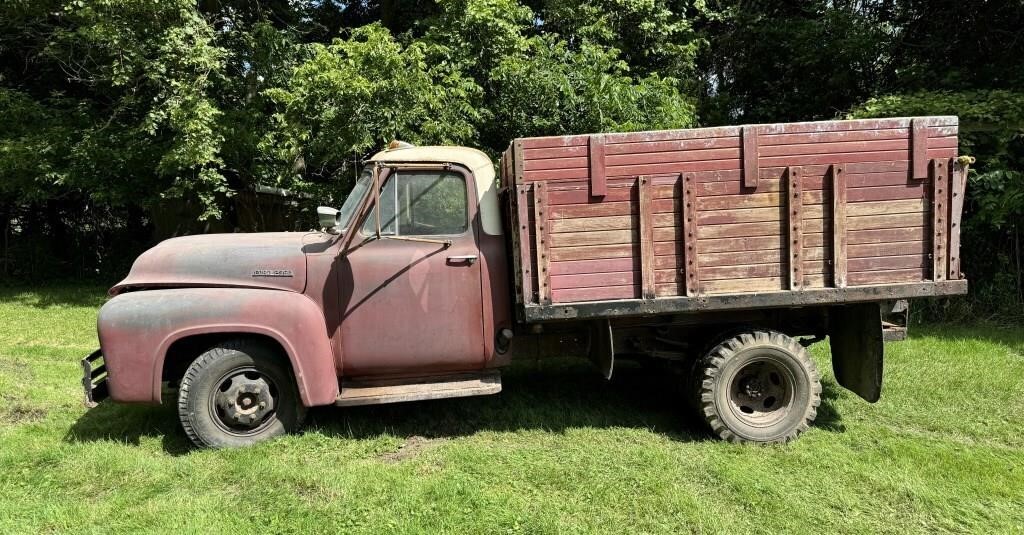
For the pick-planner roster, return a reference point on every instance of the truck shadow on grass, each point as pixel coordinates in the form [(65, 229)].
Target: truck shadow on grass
[(549, 397)]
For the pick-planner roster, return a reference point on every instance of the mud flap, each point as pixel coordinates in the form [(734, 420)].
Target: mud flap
[(602, 349), (855, 335)]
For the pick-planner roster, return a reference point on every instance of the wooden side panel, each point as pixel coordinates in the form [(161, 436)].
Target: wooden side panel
[(677, 216)]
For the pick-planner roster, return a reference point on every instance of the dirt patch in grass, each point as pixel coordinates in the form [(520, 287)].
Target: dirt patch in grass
[(21, 414), (411, 448)]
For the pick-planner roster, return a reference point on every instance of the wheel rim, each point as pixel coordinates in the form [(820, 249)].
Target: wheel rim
[(761, 392), (244, 402)]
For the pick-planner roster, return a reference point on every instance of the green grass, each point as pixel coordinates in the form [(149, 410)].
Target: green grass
[(558, 450)]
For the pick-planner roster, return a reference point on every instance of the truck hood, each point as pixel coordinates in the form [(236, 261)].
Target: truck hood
[(273, 260)]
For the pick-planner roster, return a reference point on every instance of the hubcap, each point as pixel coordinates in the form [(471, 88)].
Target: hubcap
[(244, 400), (761, 392)]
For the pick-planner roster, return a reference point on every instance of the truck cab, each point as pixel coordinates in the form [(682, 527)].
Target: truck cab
[(411, 301)]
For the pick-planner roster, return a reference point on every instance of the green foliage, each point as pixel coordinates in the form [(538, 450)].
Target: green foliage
[(541, 84), (357, 94), (991, 130)]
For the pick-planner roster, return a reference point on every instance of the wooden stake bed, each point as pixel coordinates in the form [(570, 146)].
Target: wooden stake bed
[(788, 213)]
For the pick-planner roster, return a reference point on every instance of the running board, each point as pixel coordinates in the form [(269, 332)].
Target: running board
[(375, 392)]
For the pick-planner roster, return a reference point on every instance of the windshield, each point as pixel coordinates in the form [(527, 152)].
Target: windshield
[(348, 210)]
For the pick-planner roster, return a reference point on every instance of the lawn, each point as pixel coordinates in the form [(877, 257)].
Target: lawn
[(559, 450)]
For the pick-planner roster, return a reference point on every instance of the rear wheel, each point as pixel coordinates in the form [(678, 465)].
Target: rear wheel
[(237, 394), (759, 386)]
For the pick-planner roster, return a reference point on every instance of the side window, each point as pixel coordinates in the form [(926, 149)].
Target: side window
[(421, 203)]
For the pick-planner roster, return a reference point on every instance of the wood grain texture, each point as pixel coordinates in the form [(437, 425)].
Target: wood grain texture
[(688, 220), (748, 134), (839, 238), (518, 161), (523, 229), (543, 239), (794, 224), (919, 150), (956, 207), (646, 238), (596, 162), (940, 218)]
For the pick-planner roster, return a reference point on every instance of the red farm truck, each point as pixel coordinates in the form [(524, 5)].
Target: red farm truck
[(724, 251)]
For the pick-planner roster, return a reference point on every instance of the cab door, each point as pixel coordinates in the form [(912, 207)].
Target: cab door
[(411, 304)]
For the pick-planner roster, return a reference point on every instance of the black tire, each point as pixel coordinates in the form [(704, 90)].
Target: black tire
[(238, 393), (757, 387)]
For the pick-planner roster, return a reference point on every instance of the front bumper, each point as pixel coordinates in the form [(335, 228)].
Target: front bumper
[(94, 378)]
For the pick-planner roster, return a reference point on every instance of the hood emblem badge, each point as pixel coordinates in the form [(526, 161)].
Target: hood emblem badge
[(272, 273)]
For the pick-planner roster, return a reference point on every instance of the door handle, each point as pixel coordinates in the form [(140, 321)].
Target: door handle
[(467, 258)]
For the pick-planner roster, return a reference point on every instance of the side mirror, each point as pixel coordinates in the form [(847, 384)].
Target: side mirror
[(328, 218)]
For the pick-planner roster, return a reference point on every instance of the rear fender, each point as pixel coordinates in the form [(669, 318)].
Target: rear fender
[(855, 336), (136, 329)]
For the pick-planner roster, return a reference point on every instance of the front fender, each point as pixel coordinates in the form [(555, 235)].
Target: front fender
[(136, 329)]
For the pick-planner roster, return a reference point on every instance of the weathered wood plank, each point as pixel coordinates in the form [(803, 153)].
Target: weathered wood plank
[(839, 147), (573, 295), (518, 161), (602, 265), (541, 232), (598, 183), (688, 219), (888, 263), (940, 218), (646, 238), (794, 223), (839, 237), (597, 237), (525, 258), (919, 150), (735, 258), (595, 252), (877, 236), (593, 280), (696, 144), (946, 124), (896, 248), (748, 134), (763, 284), (587, 224), (742, 243), (958, 186), (670, 157), (866, 278)]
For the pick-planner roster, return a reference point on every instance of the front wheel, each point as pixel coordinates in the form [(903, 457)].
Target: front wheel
[(237, 394), (759, 387)]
